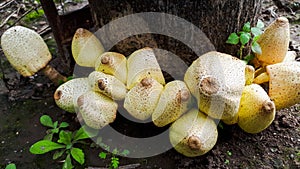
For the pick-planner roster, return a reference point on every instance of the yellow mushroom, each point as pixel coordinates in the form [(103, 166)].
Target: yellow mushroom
[(28, 53), (66, 94), (249, 74), (256, 111), (284, 83), (97, 110), (193, 134), (86, 48), (143, 64), (217, 81), (173, 102), (142, 99), (274, 42), (113, 63), (107, 85)]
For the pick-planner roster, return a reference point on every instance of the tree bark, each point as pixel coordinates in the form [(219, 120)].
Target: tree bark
[(216, 18)]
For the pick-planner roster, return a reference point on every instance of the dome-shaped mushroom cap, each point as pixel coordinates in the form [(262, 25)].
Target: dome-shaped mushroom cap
[(107, 85), (284, 83), (96, 109), (113, 63), (274, 42), (25, 50), (142, 99), (143, 64), (66, 94), (193, 134), (173, 102), (217, 81), (256, 111), (86, 48)]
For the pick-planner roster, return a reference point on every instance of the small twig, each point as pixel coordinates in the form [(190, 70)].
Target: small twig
[(7, 19), (5, 4)]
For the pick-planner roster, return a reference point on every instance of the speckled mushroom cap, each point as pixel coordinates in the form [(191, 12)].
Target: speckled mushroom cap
[(25, 50), (97, 110), (256, 110), (66, 94), (274, 42), (142, 99), (107, 85), (112, 63), (284, 83), (173, 102), (193, 134), (143, 64), (86, 48), (217, 81)]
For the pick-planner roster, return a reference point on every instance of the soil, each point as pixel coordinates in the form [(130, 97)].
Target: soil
[(24, 100)]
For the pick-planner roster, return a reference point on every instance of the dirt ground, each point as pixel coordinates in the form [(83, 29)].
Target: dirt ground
[(24, 100)]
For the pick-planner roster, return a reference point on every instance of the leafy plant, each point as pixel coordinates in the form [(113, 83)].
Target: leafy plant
[(34, 15), (247, 35), (64, 145), (55, 127), (11, 166), (114, 160)]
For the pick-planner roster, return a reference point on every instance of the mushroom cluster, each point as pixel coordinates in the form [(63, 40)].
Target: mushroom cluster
[(216, 86)]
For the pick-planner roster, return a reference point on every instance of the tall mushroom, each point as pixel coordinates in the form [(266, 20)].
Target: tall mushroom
[(86, 48), (28, 53), (217, 81)]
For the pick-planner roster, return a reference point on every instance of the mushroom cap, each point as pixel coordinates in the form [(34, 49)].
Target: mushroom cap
[(284, 84), (217, 81), (173, 102), (107, 85), (143, 64), (86, 47), (193, 134), (66, 94), (142, 99), (113, 63), (274, 42), (25, 50), (249, 74), (290, 56), (96, 109), (256, 111)]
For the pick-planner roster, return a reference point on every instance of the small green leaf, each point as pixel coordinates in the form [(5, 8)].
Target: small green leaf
[(255, 39), (125, 152), (255, 47), (102, 155), (65, 137), (58, 154), (11, 166), (44, 146), (48, 137), (233, 39), (114, 162), (55, 124), (115, 151), (81, 134), (55, 130), (245, 38), (64, 125), (68, 163), (46, 121), (256, 31), (248, 58), (260, 24), (247, 27), (78, 155)]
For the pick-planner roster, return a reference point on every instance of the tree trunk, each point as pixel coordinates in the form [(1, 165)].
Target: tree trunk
[(216, 18)]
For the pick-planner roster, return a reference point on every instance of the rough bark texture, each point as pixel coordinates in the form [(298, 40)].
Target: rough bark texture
[(216, 18)]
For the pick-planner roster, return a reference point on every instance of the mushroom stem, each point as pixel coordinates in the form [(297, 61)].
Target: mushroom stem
[(262, 78), (54, 75)]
